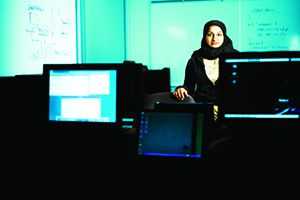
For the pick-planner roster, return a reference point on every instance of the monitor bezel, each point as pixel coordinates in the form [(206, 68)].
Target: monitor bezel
[(195, 118), (252, 56), (77, 67)]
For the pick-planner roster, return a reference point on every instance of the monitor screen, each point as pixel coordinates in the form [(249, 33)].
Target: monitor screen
[(170, 134), (82, 93), (260, 85)]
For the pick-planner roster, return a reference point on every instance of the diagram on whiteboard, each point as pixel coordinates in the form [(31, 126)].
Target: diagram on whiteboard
[(50, 34)]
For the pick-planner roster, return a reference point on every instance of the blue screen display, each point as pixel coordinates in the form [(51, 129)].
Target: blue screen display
[(83, 95), (169, 134)]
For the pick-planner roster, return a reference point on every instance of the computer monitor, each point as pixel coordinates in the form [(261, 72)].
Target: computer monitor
[(83, 94), (260, 85), (177, 134)]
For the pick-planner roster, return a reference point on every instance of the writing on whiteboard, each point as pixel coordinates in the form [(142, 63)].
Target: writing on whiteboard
[(266, 30), (35, 7), (263, 10), (48, 29)]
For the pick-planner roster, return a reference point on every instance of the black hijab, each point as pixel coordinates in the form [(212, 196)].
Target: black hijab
[(212, 53)]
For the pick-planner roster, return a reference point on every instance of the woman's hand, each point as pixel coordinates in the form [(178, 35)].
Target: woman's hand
[(180, 93)]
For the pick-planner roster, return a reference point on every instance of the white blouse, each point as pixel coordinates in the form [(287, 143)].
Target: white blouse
[(212, 71)]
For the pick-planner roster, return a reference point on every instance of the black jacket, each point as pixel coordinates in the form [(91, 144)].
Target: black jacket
[(198, 84)]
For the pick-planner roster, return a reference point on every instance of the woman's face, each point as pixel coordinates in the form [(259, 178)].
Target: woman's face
[(214, 37)]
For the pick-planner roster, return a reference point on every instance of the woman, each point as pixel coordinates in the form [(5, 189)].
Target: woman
[(202, 70)]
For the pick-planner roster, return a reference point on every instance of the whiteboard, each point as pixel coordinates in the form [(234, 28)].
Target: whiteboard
[(270, 25), (34, 32), (176, 29)]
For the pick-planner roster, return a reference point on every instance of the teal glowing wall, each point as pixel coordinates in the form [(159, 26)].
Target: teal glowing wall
[(150, 32), (102, 28)]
